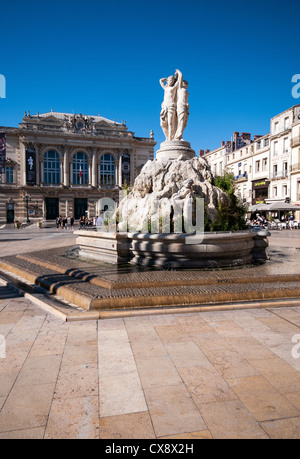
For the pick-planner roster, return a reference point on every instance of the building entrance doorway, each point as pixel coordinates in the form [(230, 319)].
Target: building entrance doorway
[(10, 213), (52, 208), (80, 207)]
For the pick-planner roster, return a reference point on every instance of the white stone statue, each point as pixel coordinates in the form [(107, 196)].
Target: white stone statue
[(182, 108), (175, 108)]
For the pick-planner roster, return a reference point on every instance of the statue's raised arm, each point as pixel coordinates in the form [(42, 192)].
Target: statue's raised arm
[(163, 82)]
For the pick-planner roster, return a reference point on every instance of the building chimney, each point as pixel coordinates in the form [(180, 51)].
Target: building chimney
[(223, 143), (257, 137), (236, 134), (207, 151), (246, 135), (201, 152)]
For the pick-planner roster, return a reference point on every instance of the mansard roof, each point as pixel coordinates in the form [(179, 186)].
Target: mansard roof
[(71, 123)]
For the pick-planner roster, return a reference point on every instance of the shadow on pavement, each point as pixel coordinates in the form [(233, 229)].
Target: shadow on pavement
[(7, 292)]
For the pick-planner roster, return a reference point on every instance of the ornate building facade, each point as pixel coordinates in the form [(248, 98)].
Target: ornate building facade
[(266, 168), (64, 164)]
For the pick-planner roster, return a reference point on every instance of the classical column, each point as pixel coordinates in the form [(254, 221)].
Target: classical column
[(120, 170), (23, 165), (42, 172), (94, 169), (90, 171), (66, 180), (117, 171), (61, 161), (37, 164), (71, 173)]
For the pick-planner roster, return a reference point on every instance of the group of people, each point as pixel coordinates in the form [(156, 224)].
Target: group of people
[(68, 222), (86, 221), (91, 221), (261, 220), (65, 222)]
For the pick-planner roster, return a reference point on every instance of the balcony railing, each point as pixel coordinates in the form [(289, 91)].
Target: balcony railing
[(295, 167), (295, 141), (279, 175), (241, 177)]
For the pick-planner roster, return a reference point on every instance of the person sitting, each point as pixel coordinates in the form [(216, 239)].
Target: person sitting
[(81, 222), (259, 220)]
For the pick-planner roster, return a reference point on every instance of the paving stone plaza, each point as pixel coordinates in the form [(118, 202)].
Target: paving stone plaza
[(222, 368)]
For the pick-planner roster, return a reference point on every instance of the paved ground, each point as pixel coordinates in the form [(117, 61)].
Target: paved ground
[(14, 241), (226, 374)]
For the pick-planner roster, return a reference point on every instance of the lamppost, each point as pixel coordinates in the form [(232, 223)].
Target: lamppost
[(27, 199)]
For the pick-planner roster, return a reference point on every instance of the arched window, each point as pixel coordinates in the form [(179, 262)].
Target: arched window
[(107, 170), (80, 169), (52, 167)]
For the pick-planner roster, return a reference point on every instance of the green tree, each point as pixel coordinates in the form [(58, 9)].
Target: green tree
[(229, 217)]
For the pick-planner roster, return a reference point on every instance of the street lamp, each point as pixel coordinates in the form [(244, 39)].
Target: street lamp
[(27, 199)]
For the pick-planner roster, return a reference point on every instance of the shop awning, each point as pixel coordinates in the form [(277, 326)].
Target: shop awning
[(272, 207), (282, 206), (259, 208)]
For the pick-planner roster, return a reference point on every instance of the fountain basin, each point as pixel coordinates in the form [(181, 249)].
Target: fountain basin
[(216, 250)]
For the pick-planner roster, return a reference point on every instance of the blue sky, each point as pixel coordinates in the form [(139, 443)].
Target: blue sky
[(107, 57)]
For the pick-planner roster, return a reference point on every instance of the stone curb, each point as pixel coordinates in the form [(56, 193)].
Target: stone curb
[(71, 295), (86, 276), (139, 302), (158, 310)]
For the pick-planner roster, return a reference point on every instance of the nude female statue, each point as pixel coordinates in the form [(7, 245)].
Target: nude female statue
[(182, 108), (168, 115), (175, 108)]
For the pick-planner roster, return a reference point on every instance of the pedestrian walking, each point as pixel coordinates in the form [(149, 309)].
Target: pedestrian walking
[(291, 221)]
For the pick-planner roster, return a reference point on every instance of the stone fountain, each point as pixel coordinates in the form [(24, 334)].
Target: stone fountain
[(160, 222)]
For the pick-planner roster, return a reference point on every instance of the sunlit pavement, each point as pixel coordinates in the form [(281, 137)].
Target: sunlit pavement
[(223, 374), (14, 241)]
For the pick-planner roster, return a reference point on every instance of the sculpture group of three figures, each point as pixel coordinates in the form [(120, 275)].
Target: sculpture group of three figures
[(175, 108)]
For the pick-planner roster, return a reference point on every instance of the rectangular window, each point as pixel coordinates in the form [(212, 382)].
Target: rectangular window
[(9, 174), (275, 170), (276, 127), (275, 192), (257, 166), (265, 164), (275, 152), (286, 123), (284, 190), (285, 169), (285, 145)]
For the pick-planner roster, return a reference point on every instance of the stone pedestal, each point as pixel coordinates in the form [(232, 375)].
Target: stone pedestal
[(175, 149)]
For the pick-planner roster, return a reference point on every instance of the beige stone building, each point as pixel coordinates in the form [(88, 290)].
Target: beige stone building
[(267, 167), (66, 164)]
